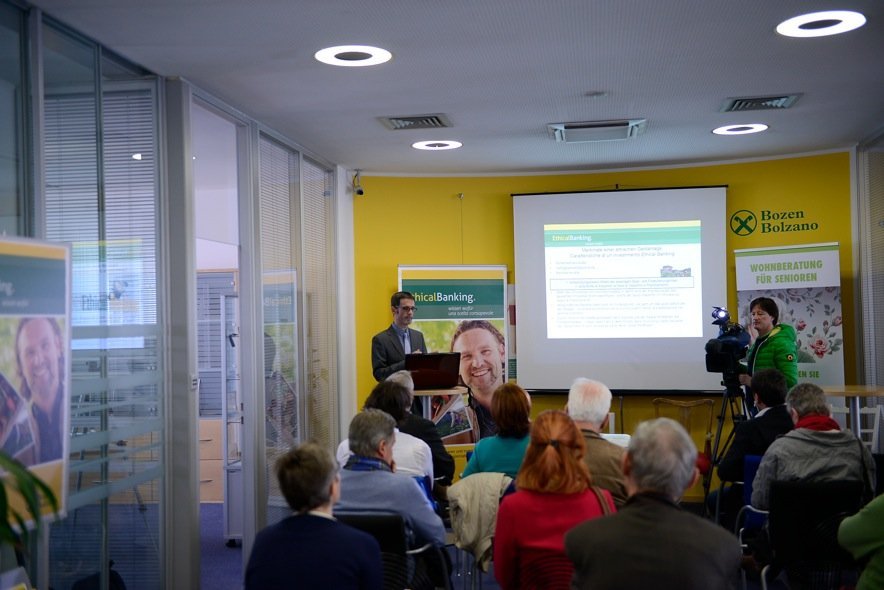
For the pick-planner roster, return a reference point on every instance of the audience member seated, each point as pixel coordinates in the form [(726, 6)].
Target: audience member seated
[(651, 542), (816, 450), (863, 536), (753, 437), (311, 547), (424, 429), (554, 494), (503, 452), (412, 455), (369, 482), (589, 403)]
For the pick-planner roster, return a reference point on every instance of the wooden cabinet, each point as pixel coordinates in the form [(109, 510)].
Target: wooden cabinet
[(211, 462)]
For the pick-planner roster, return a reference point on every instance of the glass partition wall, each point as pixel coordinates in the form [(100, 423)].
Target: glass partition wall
[(101, 196), (96, 152)]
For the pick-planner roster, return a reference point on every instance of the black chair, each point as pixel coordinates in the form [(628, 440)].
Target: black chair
[(424, 568), (803, 527)]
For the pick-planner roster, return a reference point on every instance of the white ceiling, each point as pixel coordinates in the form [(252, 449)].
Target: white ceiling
[(502, 70)]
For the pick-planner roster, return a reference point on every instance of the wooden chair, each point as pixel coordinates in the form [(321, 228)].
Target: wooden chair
[(689, 413)]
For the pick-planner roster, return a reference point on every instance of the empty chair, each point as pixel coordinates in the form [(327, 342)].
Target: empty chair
[(869, 424)]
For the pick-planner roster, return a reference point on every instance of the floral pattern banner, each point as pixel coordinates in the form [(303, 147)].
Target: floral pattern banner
[(805, 282)]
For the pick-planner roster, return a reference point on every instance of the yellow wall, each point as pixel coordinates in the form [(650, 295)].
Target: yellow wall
[(420, 221)]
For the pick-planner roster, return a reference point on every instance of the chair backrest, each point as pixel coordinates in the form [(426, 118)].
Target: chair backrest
[(804, 519), (389, 530), (687, 413), (869, 424), (387, 527), (547, 570), (750, 468)]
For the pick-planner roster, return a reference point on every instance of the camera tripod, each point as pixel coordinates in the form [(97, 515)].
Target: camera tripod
[(733, 401)]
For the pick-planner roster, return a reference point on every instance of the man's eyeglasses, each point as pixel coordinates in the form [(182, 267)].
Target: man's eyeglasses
[(407, 308)]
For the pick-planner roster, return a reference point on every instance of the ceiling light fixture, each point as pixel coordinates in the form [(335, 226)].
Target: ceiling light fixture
[(437, 145), (136, 156), (742, 129), (353, 56), (820, 24)]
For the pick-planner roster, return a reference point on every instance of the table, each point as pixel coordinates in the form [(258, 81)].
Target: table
[(852, 393)]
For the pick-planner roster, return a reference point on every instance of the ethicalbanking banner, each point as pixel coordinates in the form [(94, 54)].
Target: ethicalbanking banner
[(805, 283), (461, 308), (35, 362)]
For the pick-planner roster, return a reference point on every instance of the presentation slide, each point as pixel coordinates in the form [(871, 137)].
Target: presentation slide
[(619, 286)]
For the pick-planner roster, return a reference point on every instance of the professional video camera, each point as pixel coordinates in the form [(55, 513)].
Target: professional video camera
[(723, 354)]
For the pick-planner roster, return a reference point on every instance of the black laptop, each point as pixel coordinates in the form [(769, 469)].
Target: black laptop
[(433, 370)]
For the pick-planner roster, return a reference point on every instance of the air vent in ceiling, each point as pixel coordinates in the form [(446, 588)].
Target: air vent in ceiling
[(596, 130), (759, 103), (436, 121)]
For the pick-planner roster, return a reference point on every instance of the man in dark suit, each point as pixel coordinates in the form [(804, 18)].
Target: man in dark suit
[(651, 542), (416, 425), (311, 549), (388, 348), (753, 437)]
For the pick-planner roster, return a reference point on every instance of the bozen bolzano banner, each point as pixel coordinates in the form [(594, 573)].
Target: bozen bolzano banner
[(805, 283), (461, 309), (35, 362)]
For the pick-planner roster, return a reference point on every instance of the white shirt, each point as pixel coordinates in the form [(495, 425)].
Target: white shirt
[(411, 454)]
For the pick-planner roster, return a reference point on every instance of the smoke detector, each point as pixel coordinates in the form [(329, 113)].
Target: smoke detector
[(586, 131)]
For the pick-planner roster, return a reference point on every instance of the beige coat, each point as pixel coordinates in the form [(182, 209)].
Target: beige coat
[(473, 503)]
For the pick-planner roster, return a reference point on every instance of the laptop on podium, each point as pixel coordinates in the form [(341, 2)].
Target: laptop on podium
[(434, 370)]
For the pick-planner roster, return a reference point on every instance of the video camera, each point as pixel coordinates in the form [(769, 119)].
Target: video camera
[(723, 354)]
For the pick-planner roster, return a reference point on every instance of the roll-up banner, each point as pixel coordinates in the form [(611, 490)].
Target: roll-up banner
[(805, 283), (35, 362), (448, 299)]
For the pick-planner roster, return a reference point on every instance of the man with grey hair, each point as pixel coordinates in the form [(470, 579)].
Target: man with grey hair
[(651, 542), (416, 425), (589, 402), (816, 450), (369, 482)]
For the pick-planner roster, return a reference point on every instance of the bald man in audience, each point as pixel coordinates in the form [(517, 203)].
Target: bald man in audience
[(589, 403)]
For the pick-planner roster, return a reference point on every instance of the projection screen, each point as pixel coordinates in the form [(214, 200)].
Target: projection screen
[(619, 286)]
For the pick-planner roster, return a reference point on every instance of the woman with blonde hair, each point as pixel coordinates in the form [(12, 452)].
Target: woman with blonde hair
[(555, 493)]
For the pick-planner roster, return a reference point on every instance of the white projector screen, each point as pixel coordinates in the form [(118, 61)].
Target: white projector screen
[(619, 286)]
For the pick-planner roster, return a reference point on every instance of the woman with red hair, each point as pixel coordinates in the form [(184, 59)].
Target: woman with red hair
[(555, 493)]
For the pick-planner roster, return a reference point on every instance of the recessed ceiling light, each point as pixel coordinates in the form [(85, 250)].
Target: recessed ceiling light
[(820, 24), (437, 145), (136, 156), (353, 56), (742, 129)]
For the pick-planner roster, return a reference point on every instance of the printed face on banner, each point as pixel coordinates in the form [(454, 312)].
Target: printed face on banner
[(39, 355), (482, 358)]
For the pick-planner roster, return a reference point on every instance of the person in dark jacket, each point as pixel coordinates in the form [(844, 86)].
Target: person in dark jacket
[(424, 429), (651, 542), (753, 437), (310, 549)]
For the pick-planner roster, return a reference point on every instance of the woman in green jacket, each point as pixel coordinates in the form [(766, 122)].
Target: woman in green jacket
[(774, 346)]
